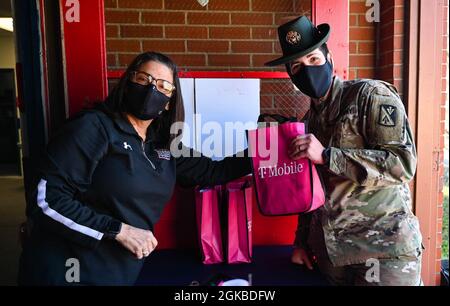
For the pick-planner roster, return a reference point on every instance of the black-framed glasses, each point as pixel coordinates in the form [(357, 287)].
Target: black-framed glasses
[(162, 86)]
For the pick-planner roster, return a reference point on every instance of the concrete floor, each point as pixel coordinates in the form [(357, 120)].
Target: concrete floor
[(12, 213)]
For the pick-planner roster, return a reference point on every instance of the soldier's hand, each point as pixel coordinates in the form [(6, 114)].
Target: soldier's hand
[(301, 257), (307, 146)]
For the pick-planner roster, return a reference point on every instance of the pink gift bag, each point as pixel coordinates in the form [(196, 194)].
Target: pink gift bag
[(239, 217), (208, 225), (283, 186)]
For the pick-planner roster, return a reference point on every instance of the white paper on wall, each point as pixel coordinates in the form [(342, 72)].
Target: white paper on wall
[(225, 109)]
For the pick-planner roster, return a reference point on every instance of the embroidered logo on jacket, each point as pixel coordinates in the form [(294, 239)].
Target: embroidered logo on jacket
[(163, 154), (126, 146)]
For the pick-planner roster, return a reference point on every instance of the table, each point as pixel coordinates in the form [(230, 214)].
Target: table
[(271, 266)]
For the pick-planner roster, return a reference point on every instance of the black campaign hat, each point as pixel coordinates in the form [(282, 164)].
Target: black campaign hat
[(299, 37)]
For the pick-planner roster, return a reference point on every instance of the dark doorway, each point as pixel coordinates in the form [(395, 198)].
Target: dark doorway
[(9, 133)]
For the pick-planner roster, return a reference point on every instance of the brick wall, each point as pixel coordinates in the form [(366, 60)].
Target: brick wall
[(390, 53), (224, 35), (362, 42)]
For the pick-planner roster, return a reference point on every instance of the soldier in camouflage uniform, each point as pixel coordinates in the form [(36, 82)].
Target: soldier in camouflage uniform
[(361, 142)]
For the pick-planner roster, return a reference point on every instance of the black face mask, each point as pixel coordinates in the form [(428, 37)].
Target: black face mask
[(144, 102), (313, 81)]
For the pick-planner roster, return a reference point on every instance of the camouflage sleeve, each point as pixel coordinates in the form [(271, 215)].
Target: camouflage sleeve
[(301, 235), (390, 156)]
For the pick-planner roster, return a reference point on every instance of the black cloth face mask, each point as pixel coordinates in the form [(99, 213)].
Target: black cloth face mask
[(144, 102), (313, 81)]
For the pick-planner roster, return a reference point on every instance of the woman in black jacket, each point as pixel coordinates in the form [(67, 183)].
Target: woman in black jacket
[(106, 177)]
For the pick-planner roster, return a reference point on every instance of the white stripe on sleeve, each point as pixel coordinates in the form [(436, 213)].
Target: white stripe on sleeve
[(42, 203)]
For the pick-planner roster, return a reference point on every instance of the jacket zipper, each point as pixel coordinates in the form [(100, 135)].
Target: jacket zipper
[(143, 151)]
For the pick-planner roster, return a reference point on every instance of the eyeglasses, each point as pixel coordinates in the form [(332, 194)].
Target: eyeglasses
[(162, 86)]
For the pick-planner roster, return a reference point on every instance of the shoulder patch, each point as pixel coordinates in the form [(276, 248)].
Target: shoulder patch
[(387, 115)]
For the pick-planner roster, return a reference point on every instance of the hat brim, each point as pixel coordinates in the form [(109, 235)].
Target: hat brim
[(324, 35)]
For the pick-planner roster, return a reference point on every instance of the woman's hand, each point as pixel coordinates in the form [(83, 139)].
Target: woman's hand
[(138, 241), (307, 146), (301, 257)]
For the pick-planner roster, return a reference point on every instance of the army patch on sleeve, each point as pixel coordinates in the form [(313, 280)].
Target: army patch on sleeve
[(388, 115)]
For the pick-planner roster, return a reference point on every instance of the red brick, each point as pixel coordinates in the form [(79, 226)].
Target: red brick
[(366, 73), (183, 5), (111, 59), (361, 60), (362, 34), (122, 45), (353, 74), (273, 5), (126, 58), (153, 4), (398, 57), (398, 71), (186, 32), (208, 46), (259, 60), (252, 18), (366, 47), (362, 21), (399, 13), (277, 48), (287, 112), (268, 87), (112, 31), (282, 18), (163, 18), (230, 33), (229, 5), (229, 60), (141, 31), (398, 42), (110, 3), (121, 17), (443, 99), (251, 46), (440, 211), (163, 45), (353, 20), (188, 59), (265, 33), (358, 7), (208, 18), (302, 8), (399, 27), (266, 102)]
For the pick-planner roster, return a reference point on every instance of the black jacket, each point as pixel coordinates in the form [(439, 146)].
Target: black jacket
[(97, 169)]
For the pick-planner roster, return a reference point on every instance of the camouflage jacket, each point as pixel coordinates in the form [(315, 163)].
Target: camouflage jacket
[(367, 213)]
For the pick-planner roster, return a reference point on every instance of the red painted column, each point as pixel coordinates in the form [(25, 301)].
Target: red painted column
[(84, 52), (336, 14)]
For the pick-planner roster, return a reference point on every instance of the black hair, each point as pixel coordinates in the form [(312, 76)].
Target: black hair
[(115, 102)]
